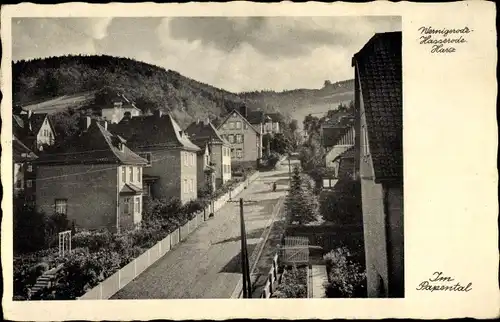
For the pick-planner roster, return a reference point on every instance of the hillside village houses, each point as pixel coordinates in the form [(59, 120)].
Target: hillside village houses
[(93, 178), (204, 134), (116, 106), (379, 158), (172, 160)]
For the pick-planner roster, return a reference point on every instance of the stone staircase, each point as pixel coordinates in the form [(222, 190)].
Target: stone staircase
[(45, 281)]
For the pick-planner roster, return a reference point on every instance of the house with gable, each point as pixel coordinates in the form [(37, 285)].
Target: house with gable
[(33, 129), (245, 138), (342, 152), (112, 105), (23, 172), (379, 157), (171, 171), (204, 134), (93, 178)]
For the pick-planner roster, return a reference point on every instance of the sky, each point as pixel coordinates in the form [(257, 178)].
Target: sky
[(234, 53)]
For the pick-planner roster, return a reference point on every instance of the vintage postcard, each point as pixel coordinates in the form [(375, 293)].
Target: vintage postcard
[(246, 160)]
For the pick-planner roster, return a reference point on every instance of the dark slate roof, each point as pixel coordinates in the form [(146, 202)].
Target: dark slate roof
[(256, 117), (380, 74), (275, 117), (331, 135), (96, 145), (130, 189), (153, 131), (21, 152), (107, 96), (202, 133)]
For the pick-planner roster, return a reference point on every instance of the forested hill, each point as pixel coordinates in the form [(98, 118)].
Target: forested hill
[(153, 87)]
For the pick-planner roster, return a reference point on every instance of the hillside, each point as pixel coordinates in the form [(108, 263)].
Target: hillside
[(69, 81)]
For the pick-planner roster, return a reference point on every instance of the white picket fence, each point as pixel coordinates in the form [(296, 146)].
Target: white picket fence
[(126, 274)]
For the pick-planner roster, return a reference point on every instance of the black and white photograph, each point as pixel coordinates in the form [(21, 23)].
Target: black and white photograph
[(207, 158)]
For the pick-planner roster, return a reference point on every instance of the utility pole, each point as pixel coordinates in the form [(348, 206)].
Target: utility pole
[(243, 251)]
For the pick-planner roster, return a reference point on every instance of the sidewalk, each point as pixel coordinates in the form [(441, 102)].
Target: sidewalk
[(206, 264), (319, 277)]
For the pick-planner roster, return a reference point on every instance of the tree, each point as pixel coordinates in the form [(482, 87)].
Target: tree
[(343, 205), (301, 204)]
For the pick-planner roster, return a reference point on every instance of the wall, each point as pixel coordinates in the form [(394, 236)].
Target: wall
[(373, 220), (90, 190), (396, 239), (250, 143), (166, 164), (189, 186)]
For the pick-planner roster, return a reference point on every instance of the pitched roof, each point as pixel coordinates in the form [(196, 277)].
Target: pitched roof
[(106, 97), (96, 145), (200, 132), (21, 152), (153, 131), (238, 113), (380, 74), (275, 117), (255, 117)]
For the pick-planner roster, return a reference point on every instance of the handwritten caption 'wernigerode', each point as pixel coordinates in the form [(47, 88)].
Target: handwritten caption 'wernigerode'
[(443, 41), (441, 282)]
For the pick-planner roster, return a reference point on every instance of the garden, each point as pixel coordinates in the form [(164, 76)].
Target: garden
[(293, 283), (95, 255)]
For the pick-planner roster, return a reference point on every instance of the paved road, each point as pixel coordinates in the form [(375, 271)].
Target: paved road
[(207, 264)]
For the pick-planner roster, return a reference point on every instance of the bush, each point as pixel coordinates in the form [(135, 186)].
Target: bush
[(194, 206), (93, 240), (343, 205), (301, 204), (29, 228), (293, 284), (346, 278)]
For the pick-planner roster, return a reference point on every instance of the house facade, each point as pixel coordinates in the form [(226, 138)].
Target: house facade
[(34, 130), (272, 123), (336, 153), (378, 96), (94, 179), (172, 157), (115, 110), (245, 139), (205, 134), (23, 171)]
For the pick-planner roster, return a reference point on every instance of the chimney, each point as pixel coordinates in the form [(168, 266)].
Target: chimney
[(207, 121), (158, 113), (197, 121), (85, 123), (243, 111)]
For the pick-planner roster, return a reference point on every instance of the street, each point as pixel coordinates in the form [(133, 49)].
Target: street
[(207, 264)]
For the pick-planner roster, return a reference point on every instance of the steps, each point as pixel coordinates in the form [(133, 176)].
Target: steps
[(45, 280)]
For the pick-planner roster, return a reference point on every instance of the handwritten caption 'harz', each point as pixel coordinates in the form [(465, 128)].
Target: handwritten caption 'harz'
[(443, 41)]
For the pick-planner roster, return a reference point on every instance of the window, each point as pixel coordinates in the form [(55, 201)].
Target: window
[(231, 125), (185, 185), (124, 175), (29, 183), (193, 159), (126, 205), (239, 138), (61, 206), (239, 153), (139, 176), (131, 174), (224, 126), (231, 138), (245, 126), (137, 207), (147, 156), (191, 186), (232, 153), (30, 168), (238, 125)]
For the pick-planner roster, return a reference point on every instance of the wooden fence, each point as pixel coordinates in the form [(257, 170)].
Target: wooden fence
[(129, 272), (272, 279)]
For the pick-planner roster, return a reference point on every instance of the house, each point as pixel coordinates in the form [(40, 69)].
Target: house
[(114, 105), (171, 168), (34, 130), (245, 138), (337, 153), (94, 179), (23, 171), (205, 134), (272, 123), (378, 105)]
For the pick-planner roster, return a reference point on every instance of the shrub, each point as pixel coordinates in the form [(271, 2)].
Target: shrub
[(301, 204), (93, 240), (343, 204), (194, 206), (29, 228), (293, 284), (346, 278)]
